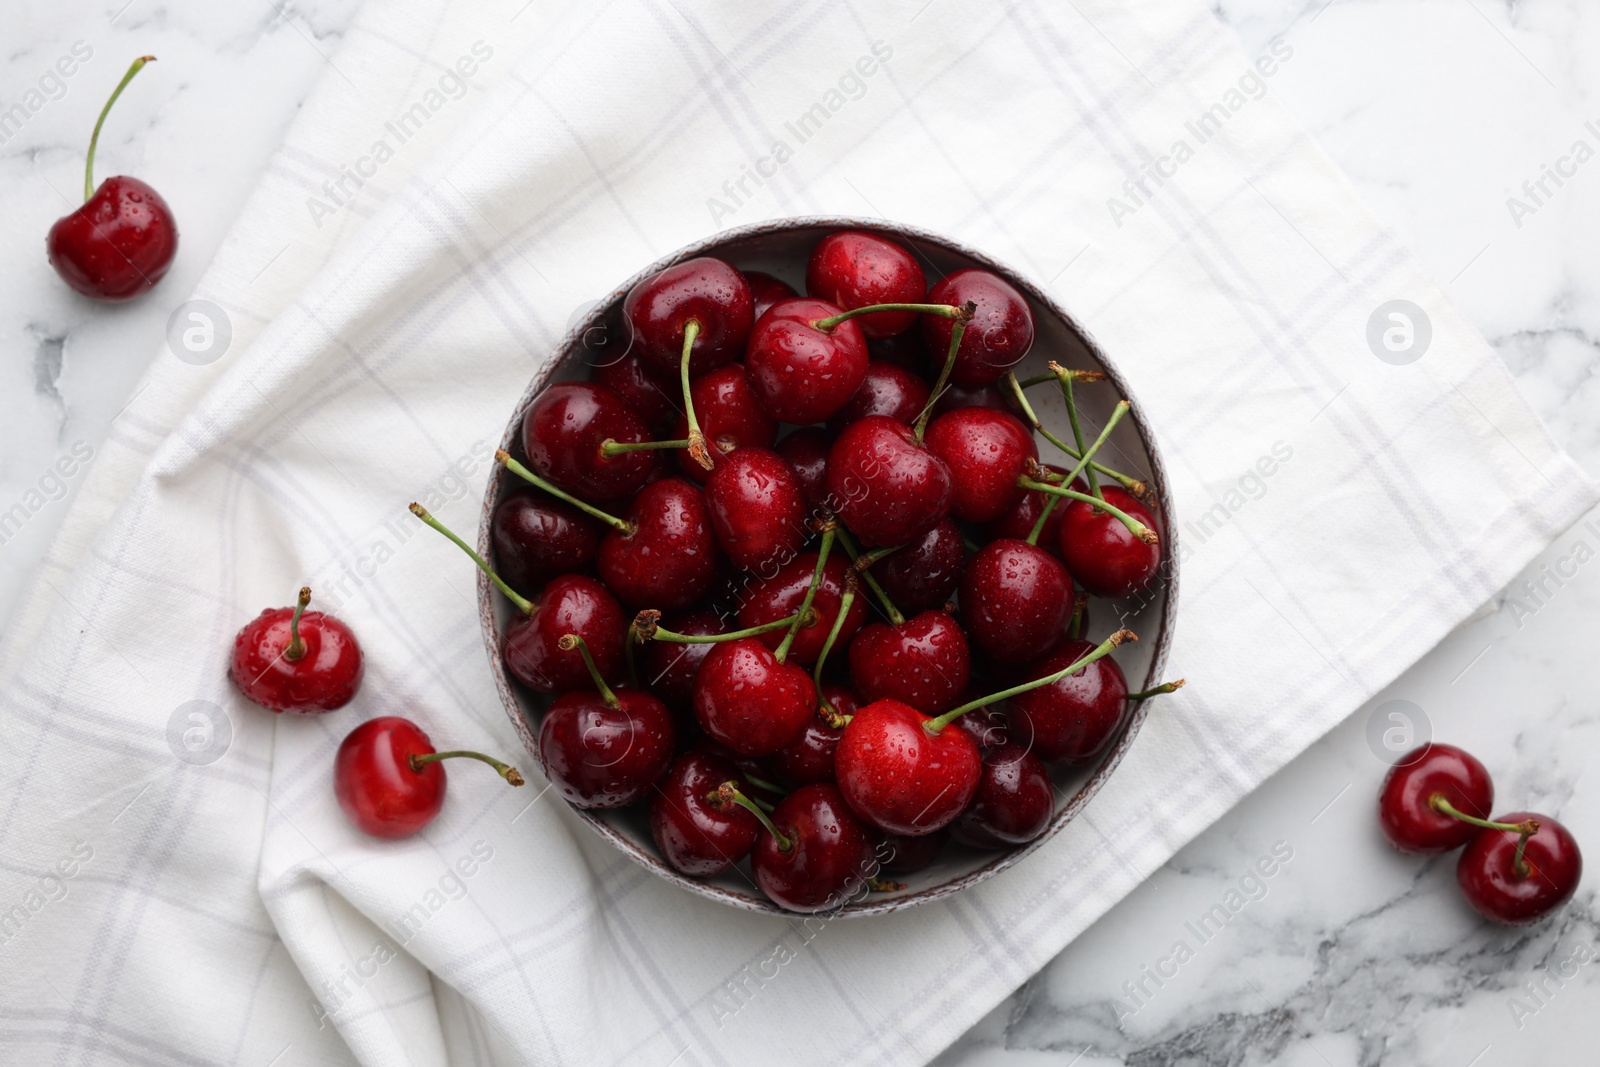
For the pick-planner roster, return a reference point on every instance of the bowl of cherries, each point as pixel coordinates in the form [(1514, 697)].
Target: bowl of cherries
[(812, 567)]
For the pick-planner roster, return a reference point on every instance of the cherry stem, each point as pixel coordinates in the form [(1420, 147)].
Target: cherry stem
[(645, 628), (729, 792), (949, 311), (1088, 457), (1527, 828), (1051, 376), (1050, 502), (1135, 527), (846, 602), (1064, 376), (872, 583), (1155, 691), (296, 647), (610, 448), (1127, 481), (697, 439), (569, 642), (770, 787), (1079, 607), (505, 770), (956, 333), (830, 530), (524, 605), (934, 725), (505, 459), (94, 138)]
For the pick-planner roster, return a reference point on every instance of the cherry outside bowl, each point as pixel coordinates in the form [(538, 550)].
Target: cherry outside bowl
[(781, 248)]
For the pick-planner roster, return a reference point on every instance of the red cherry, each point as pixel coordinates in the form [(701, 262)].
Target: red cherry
[(806, 450), (563, 432), (1501, 891), (986, 451), (123, 238), (1072, 718), (886, 486), (829, 855), (747, 700), (668, 559), (605, 749), (729, 417), (758, 509), (1013, 803), (706, 290), (908, 855), (1016, 599), (1018, 520), (854, 270), (924, 575), (667, 668), (987, 726), (923, 662), (999, 335), (537, 538), (888, 390), (651, 395), (767, 290), (781, 596), (1405, 802), (809, 757), (1099, 550), (903, 350), (798, 372), (902, 777), (319, 673), (571, 604), (385, 781), (697, 831)]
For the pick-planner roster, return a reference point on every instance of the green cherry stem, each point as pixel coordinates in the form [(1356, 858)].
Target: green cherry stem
[(934, 725), (645, 627), (296, 648), (94, 138), (524, 605), (1127, 481), (505, 770), (1526, 828), (949, 311), (762, 783), (1050, 502), (504, 458), (1155, 691), (729, 793), (610, 448), (846, 602), (569, 642), (1077, 376), (1064, 376), (830, 530), (697, 439), (1135, 527), (866, 575), (956, 333), (1079, 608), (1088, 457)]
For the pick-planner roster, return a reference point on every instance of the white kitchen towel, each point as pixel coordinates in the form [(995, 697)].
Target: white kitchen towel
[(177, 884)]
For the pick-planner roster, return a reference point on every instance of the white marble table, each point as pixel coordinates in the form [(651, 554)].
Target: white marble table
[(1439, 110)]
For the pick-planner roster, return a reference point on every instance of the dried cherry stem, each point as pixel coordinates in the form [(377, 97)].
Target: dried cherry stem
[(830, 530), (569, 642), (949, 311), (1158, 690), (646, 627), (504, 458), (1127, 481), (846, 602), (697, 439), (524, 605), (729, 793), (94, 138), (1101, 650), (1065, 378), (1051, 376), (296, 648), (958, 331), (866, 575), (610, 448), (1526, 828), (505, 770), (1135, 527)]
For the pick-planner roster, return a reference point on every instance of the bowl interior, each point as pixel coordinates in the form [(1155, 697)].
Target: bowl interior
[(781, 249)]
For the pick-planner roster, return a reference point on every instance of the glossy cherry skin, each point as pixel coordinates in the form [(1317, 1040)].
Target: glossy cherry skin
[(901, 777), (667, 668), (537, 537), (854, 269), (782, 594), (986, 451), (767, 290), (925, 574), (830, 853), (885, 485), (806, 450), (1496, 891), (372, 778), (809, 757), (708, 290), (907, 855), (324, 678), (697, 833), (669, 559), (652, 396), (954, 397), (562, 434), (118, 244), (758, 509), (987, 726), (800, 373), (923, 662), (1072, 718), (1097, 548), (570, 604), (745, 699), (1018, 520), (888, 390), (599, 755), (1013, 804), (1405, 811), (999, 335), (903, 350), (1016, 599), (729, 416)]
